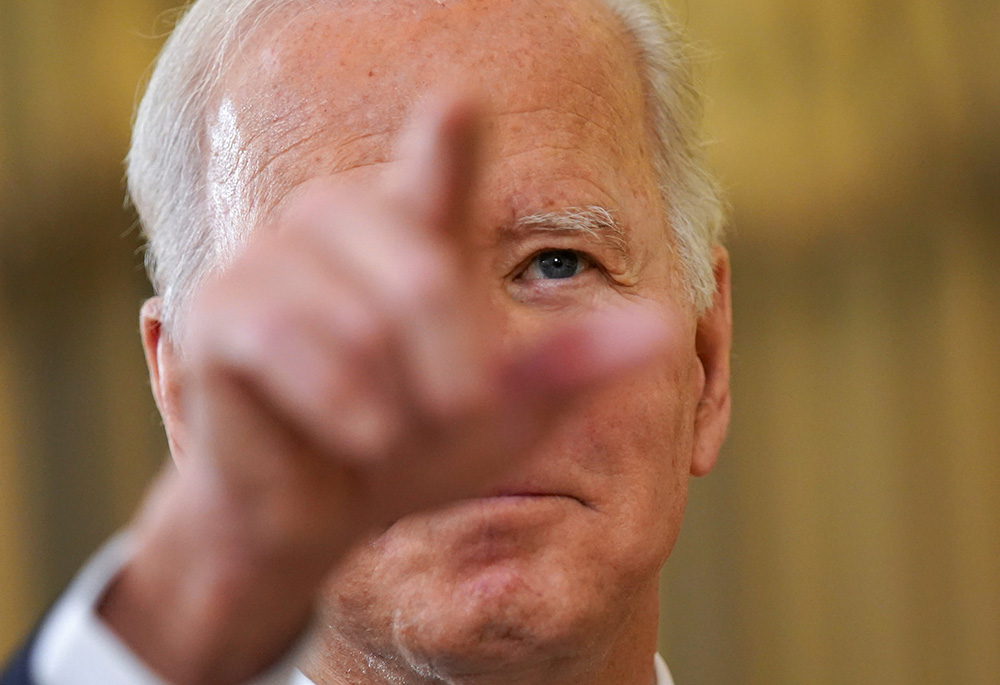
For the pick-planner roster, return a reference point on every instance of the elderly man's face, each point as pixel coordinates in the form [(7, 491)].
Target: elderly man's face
[(568, 557)]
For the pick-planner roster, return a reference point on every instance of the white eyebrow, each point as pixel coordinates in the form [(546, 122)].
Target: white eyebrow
[(594, 221)]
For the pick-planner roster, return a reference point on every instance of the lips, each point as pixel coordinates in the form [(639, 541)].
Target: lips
[(528, 493)]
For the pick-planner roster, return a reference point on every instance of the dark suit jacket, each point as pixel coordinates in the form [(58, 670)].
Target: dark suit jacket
[(16, 671)]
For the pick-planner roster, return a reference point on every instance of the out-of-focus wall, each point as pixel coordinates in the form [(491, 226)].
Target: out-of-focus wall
[(850, 533), (78, 432)]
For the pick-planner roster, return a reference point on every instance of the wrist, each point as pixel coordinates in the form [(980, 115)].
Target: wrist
[(200, 601)]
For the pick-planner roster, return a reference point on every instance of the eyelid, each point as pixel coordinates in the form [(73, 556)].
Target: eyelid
[(587, 260)]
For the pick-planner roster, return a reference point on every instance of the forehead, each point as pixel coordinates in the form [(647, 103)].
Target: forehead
[(326, 90)]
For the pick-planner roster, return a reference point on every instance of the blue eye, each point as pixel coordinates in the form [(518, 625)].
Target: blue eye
[(555, 264)]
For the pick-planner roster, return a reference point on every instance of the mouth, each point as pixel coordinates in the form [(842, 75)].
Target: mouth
[(527, 494)]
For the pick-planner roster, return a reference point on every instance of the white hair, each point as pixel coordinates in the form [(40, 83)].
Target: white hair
[(167, 164)]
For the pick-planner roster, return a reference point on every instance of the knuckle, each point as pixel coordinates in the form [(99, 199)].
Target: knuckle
[(263, 332), (373, 436), (365, 332), (430, 279), (426, 282), (241, 341), (455, 404)]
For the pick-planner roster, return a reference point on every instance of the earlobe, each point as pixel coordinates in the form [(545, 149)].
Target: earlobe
[(164, 371), (713, 342)]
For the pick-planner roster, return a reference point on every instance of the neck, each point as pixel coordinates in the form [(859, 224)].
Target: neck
[(623, 655)]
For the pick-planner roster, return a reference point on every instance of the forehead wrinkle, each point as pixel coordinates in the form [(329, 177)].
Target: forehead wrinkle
[(346, 161), (596, 158), (278, 154), (244, 142), (339, 156), (554, 110), (594, 221), (295, 117)]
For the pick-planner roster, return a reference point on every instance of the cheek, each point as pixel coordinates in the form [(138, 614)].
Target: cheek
[(639, 441), (647, 418), (642, 433)]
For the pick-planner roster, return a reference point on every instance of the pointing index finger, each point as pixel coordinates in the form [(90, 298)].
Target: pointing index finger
[(439, 161)]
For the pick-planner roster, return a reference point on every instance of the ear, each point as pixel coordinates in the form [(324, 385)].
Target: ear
[(164, 373), (713, 341)]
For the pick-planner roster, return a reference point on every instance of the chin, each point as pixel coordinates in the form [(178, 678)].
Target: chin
[(487, 584), (500, 617)]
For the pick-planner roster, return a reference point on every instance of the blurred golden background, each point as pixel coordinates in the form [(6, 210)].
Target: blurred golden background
[(851, 533)]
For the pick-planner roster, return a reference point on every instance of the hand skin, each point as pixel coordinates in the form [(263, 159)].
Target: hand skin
[(369, 367)]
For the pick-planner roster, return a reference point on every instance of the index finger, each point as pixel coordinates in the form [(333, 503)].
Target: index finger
[(438, 155)]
